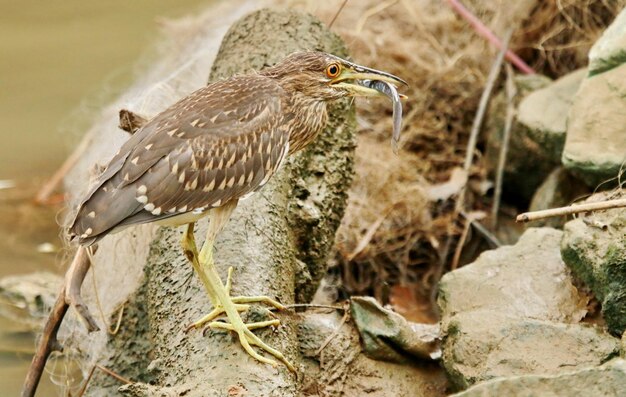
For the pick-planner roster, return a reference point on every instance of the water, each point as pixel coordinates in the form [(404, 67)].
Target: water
[(57, 60)]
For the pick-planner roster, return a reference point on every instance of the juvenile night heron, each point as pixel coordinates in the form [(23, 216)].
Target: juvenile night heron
[(213, 148)]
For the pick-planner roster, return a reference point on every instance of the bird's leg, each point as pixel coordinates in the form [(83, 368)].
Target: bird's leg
[(190, 249), (211, 279)]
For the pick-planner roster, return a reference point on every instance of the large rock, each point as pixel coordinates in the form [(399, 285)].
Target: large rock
[(610, 50), (595, 146), (515, 311), (594, 247), (544, 113), (559, 189), (603, 381), (527, 280), (482, 345)]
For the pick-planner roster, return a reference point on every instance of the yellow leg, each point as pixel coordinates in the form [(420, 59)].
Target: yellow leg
[(220, 294)]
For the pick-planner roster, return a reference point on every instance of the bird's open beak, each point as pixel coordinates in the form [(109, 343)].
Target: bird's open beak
[(353, 78)]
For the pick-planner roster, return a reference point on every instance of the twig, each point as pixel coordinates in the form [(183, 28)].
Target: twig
[(346, 314), (508, 123), (131, 122), (330, 25), (43, 195), (114, 374), (311, 305), (371, 12), (493, 241), (68, 296), (485, 32), (571, 209), (469, 156)]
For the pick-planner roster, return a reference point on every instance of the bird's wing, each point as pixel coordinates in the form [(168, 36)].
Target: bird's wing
[(218, 144)]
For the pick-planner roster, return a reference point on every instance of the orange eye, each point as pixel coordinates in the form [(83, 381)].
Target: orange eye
[(333, 70)]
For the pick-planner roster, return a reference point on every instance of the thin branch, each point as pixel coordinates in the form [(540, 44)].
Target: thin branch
[(43, 195), (506, 137), (68, 296), (571, 209), (330, 25), (485, 32)]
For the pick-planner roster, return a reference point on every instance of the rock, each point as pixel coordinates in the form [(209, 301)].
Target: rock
[(527, 280), (559, 189), (341, 369), (27, 298), (606, 380), (544, 113), (482, 345), (610, 49), (527, 164), (514, 311), (595, 146), (594, 247), (388, 336)]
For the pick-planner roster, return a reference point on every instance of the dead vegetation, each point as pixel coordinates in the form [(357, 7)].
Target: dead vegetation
[(392, 234)]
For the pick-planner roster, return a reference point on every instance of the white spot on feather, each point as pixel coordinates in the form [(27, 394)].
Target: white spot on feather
[(156, 211), (143, 199), (142, 189), (92, 214), (149, 207), (148, 146), (181, 178), (135, 160)]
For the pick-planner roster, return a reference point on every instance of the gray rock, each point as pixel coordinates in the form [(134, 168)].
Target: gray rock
[(610, 49), (482, 345), (594, 247), (603, 381), (27, 298), (559, 189), (595, 146), (514, 311), (544, 113), (527, 280)]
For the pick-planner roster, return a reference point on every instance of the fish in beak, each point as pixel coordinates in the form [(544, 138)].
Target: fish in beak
[(361, 81)]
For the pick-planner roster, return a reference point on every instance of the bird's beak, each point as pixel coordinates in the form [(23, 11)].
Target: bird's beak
[(353, 79)]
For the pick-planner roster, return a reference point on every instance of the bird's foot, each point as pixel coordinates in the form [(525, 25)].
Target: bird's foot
[(248, 339), (241, 304)]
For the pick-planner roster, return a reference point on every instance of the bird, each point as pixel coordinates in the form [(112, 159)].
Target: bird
[(213, 148)]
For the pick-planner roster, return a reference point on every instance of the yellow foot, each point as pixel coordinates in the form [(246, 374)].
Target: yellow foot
[(241, 303), (248, 339)]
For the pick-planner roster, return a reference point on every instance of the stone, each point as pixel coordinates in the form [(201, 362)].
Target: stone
[(482, 345), (610, 49), (559, 189), (608, 379), (544, 113), (335, 365), (595, 146), (528, 279), (516, 311), (594, 247), (527, 164), (27, 298), (386, 335)]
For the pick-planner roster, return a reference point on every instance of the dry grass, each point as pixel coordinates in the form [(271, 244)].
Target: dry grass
[(391, 233)]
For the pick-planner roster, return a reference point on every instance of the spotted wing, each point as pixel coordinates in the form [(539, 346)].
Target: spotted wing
[(218, 144)]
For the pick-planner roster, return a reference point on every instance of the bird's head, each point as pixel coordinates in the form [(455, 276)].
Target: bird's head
[(323, 76)]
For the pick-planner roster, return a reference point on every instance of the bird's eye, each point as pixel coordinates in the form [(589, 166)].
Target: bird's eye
[(333, 70)]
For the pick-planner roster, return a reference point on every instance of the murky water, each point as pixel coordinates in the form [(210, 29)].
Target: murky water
[(57, 61)]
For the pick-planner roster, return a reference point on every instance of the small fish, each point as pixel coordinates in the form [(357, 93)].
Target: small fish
[(391, 91)]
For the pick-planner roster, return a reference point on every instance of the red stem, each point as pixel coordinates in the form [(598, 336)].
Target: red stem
[(485, 32)]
